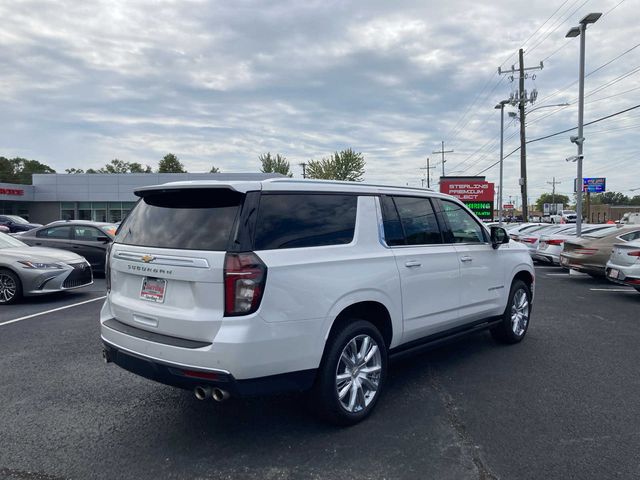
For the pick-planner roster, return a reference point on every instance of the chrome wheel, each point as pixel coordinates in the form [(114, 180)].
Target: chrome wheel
[(8, 288), (519, 312), (358, 373)]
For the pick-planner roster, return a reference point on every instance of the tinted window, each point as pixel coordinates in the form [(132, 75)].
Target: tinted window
[(628, 237), (55, 232), (193, 219), (464, 228), (393, 234), (418, 220), (304, 220), (86, 233)]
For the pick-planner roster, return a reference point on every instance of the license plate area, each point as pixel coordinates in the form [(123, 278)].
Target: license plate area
[(153, 289), (613, 273)]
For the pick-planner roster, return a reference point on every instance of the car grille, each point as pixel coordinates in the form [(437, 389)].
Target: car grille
[(81, 275)]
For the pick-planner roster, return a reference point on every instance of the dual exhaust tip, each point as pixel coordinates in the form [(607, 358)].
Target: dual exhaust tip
[(202, 392)]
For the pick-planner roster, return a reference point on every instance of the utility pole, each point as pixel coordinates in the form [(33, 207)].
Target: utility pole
[(428, 170), (521, 100), (443, 151), (304, 169), (553, 184)]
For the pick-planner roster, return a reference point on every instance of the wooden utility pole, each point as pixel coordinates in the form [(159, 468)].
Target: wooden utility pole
[(443, 151)]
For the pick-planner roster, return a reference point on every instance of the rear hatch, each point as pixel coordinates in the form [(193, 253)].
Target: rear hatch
[(167, 261)]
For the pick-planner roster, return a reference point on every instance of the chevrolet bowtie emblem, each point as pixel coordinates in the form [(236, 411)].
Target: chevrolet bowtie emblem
[(148, 258)]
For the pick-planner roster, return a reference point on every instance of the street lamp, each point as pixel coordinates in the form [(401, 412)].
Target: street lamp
[(500, 106), (581, 31)]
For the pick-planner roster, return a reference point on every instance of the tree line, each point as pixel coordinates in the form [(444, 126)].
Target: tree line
[(606, 198), (344, 165)]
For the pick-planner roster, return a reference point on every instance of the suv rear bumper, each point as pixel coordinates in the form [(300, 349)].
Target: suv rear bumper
[(187, 378)]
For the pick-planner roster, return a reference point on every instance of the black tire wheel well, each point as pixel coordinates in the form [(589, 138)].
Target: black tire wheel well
[(371, 311)]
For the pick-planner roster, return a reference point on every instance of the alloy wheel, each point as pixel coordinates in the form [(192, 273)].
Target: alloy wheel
[(8, 288), (358, 373), (520, 312)]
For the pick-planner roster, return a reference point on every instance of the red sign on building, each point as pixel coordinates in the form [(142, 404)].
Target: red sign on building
[(474, 193), (11, 191)]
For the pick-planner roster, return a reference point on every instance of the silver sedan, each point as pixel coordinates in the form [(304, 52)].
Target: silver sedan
[(624, 264), (27, 271)]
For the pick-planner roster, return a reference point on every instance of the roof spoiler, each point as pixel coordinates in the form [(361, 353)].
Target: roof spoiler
[(240, 187)]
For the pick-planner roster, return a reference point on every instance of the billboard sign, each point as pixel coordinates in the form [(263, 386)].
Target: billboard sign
[(594, 185), (476, 194)]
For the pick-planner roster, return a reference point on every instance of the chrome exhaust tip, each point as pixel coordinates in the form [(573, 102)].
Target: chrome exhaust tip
[(220, 395), (202, 392)]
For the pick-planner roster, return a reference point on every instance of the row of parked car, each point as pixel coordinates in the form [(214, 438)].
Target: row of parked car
[(43, 259), (602, 250)]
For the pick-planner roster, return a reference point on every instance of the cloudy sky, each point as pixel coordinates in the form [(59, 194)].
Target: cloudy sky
[(219, 82)]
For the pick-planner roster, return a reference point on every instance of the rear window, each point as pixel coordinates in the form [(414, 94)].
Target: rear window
[(193, 219), (305, 220), (602, 233)]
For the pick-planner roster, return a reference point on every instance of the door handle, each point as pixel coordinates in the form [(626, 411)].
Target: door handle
[(466, 258), (38, 243), (412, 263)]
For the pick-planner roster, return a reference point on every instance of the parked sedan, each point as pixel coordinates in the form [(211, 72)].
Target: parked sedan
[(624, 264), (27, 271), (17, 224), (89, 239), (590, 253), (550, 246)]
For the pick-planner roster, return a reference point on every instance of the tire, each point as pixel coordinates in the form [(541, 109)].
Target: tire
[(10, 287), (516, 317), (360, 392)]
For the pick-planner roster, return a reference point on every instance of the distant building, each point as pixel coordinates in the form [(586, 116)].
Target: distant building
[(103, 197), (604, 213)]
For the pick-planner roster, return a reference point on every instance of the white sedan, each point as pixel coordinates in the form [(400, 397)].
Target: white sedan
[(624, 264)]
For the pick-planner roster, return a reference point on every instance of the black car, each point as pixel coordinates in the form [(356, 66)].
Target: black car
[(17, 224), (88, 239)]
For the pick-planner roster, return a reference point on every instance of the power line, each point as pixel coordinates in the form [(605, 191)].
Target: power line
[(560, 133), (559, 25)]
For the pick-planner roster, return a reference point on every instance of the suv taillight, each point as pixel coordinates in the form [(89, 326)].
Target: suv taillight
[(107, 268), (244, 279)]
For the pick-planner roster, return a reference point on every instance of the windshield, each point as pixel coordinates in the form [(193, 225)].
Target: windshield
[(16, 219), (603, 233), (7, 241), (568, 212)]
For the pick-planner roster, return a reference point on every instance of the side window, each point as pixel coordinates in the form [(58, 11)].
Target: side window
[(305, 220), (464, 228), (393, 233), (628, 237), (418, 220), (55, 232), (87, 233)]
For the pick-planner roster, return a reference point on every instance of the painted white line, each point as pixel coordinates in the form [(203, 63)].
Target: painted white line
[(557, 274), (628, 290), (51, 311)]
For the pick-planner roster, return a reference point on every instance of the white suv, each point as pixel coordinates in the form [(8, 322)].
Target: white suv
[(255, 287)]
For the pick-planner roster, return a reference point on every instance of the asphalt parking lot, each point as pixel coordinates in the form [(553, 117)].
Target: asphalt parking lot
[(561, 405)]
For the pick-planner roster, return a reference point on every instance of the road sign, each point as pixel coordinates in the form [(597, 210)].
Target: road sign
[(508, 206)]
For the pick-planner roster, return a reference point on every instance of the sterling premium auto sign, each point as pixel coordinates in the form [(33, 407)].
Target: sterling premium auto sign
[(475, 194)]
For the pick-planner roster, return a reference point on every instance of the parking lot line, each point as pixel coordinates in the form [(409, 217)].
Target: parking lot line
[(557, 274), (51, 311), (628, 290)]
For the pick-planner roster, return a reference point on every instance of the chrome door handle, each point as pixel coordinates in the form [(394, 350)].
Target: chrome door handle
[(412, 263), (466, 258)]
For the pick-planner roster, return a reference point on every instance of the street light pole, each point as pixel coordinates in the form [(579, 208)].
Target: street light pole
[(501, 107), (579, 140)]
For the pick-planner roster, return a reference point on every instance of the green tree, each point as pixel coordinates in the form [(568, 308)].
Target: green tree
[(549, 198), (214, 169), (73, 171), (275, 164), (346, 165), (634, 200), (170, 164), (610, 198), (20, 170), (135, 167)]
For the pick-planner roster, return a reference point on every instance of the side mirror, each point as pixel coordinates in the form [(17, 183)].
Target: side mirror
[(104, 239), (498, 236)]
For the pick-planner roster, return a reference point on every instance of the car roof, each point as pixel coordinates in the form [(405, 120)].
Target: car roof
[(79, 222), (290, 184)]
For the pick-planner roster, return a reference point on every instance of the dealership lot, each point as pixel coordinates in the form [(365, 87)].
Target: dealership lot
[(563, 404)]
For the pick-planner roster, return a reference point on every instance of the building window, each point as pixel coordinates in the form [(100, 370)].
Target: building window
[(67, 211)]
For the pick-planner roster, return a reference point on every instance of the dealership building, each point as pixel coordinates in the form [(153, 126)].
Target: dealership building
[(101, 197)]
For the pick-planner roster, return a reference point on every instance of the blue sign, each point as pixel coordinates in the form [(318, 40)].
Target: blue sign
[(594, 185)]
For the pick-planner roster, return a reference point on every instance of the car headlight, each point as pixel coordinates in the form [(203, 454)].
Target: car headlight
[(40, 266)]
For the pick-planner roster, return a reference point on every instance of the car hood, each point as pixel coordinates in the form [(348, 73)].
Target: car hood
[(39, 254)]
